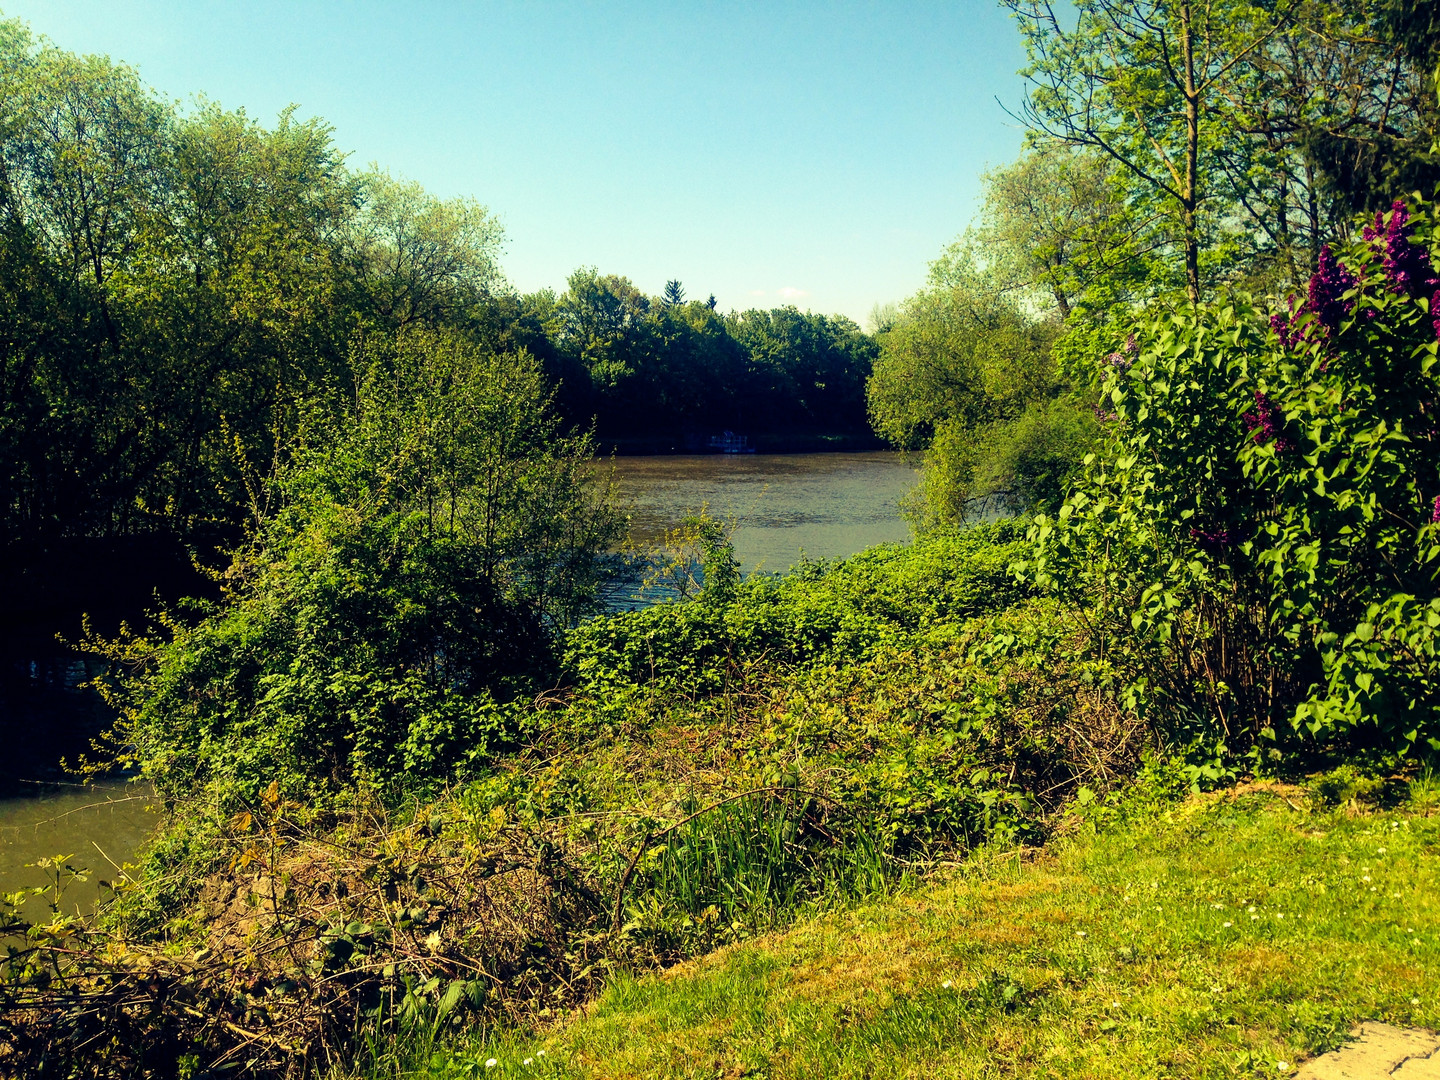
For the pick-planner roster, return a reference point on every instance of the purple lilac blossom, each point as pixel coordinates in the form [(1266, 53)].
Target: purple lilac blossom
[(1328, 286), (1325, 300), (1264, 422), (1435, 511), (1407, 265), (1283, 323), (1124, 356)]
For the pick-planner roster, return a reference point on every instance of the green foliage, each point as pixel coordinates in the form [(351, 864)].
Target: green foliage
[(804, 370), (1191, 937), (747, 866), (966, 374), (710, 770), (1258, 539), (1365, 165), (180, 287), (1347, 786), (1156, 786), (1057, 227), (962, 353), (719, 569), (1014, 466), (643, 364), (817, 613), (426, 549)]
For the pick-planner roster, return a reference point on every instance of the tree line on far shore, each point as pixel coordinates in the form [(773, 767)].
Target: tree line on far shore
[(180, 288)]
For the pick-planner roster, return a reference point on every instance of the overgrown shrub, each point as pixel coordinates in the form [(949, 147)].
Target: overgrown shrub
[(1258, 543), (819, 612), (914, 702), (406, 585)]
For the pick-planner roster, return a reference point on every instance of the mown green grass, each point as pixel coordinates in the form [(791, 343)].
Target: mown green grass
[(1229, 936)]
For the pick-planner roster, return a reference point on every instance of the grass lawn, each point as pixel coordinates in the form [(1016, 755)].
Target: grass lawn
[(1230, 936)]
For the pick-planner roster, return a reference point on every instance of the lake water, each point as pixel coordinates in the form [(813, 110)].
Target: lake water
[(96, 827), (785, 507)]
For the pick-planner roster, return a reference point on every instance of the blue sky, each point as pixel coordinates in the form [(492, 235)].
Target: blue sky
[(819, 154)]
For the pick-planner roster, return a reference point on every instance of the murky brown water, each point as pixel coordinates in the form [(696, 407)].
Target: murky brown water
[(95, 827), (788, 506)]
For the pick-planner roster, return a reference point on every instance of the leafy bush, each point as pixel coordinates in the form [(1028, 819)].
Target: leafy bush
[(819, 612), (890, 710), (835, 778), (1258, 543), (1016, 465), (424, 551)]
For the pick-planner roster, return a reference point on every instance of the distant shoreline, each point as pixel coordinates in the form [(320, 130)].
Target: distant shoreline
[(772, 443)]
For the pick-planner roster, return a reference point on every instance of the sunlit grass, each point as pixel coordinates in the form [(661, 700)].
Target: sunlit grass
[(1232, 936)]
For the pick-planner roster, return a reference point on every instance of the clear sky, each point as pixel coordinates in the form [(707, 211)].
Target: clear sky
[(818, 153)]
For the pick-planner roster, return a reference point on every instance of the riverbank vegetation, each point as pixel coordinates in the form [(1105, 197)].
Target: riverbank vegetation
[(1174, 157), (416, 778)]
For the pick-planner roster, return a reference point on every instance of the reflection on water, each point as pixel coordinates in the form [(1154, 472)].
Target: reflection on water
[(49, 713), (789, 506), (100, 826), (46, 710)]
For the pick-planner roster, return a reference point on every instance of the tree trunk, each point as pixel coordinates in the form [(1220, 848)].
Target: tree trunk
[(1190, 202)]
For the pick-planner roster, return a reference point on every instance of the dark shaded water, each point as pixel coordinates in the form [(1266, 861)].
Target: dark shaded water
[(785, 506)]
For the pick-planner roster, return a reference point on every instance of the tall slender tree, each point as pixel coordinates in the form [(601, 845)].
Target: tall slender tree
[(1141, 82)]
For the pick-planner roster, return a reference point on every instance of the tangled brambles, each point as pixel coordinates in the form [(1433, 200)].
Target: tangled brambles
[(309, 935)]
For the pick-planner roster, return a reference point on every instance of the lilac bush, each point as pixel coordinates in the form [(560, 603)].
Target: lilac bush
[(1262, 536)]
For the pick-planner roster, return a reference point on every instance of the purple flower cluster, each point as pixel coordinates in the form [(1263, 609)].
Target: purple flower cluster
[(1264, 422), (1407, 265), (1328, 286), (1282, 322), (1325, 300), (1125, 357), (1435, 511), (1211, 539)]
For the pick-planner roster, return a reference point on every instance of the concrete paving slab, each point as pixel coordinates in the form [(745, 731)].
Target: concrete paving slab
[(1379, 1052), (1419, 1069)]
